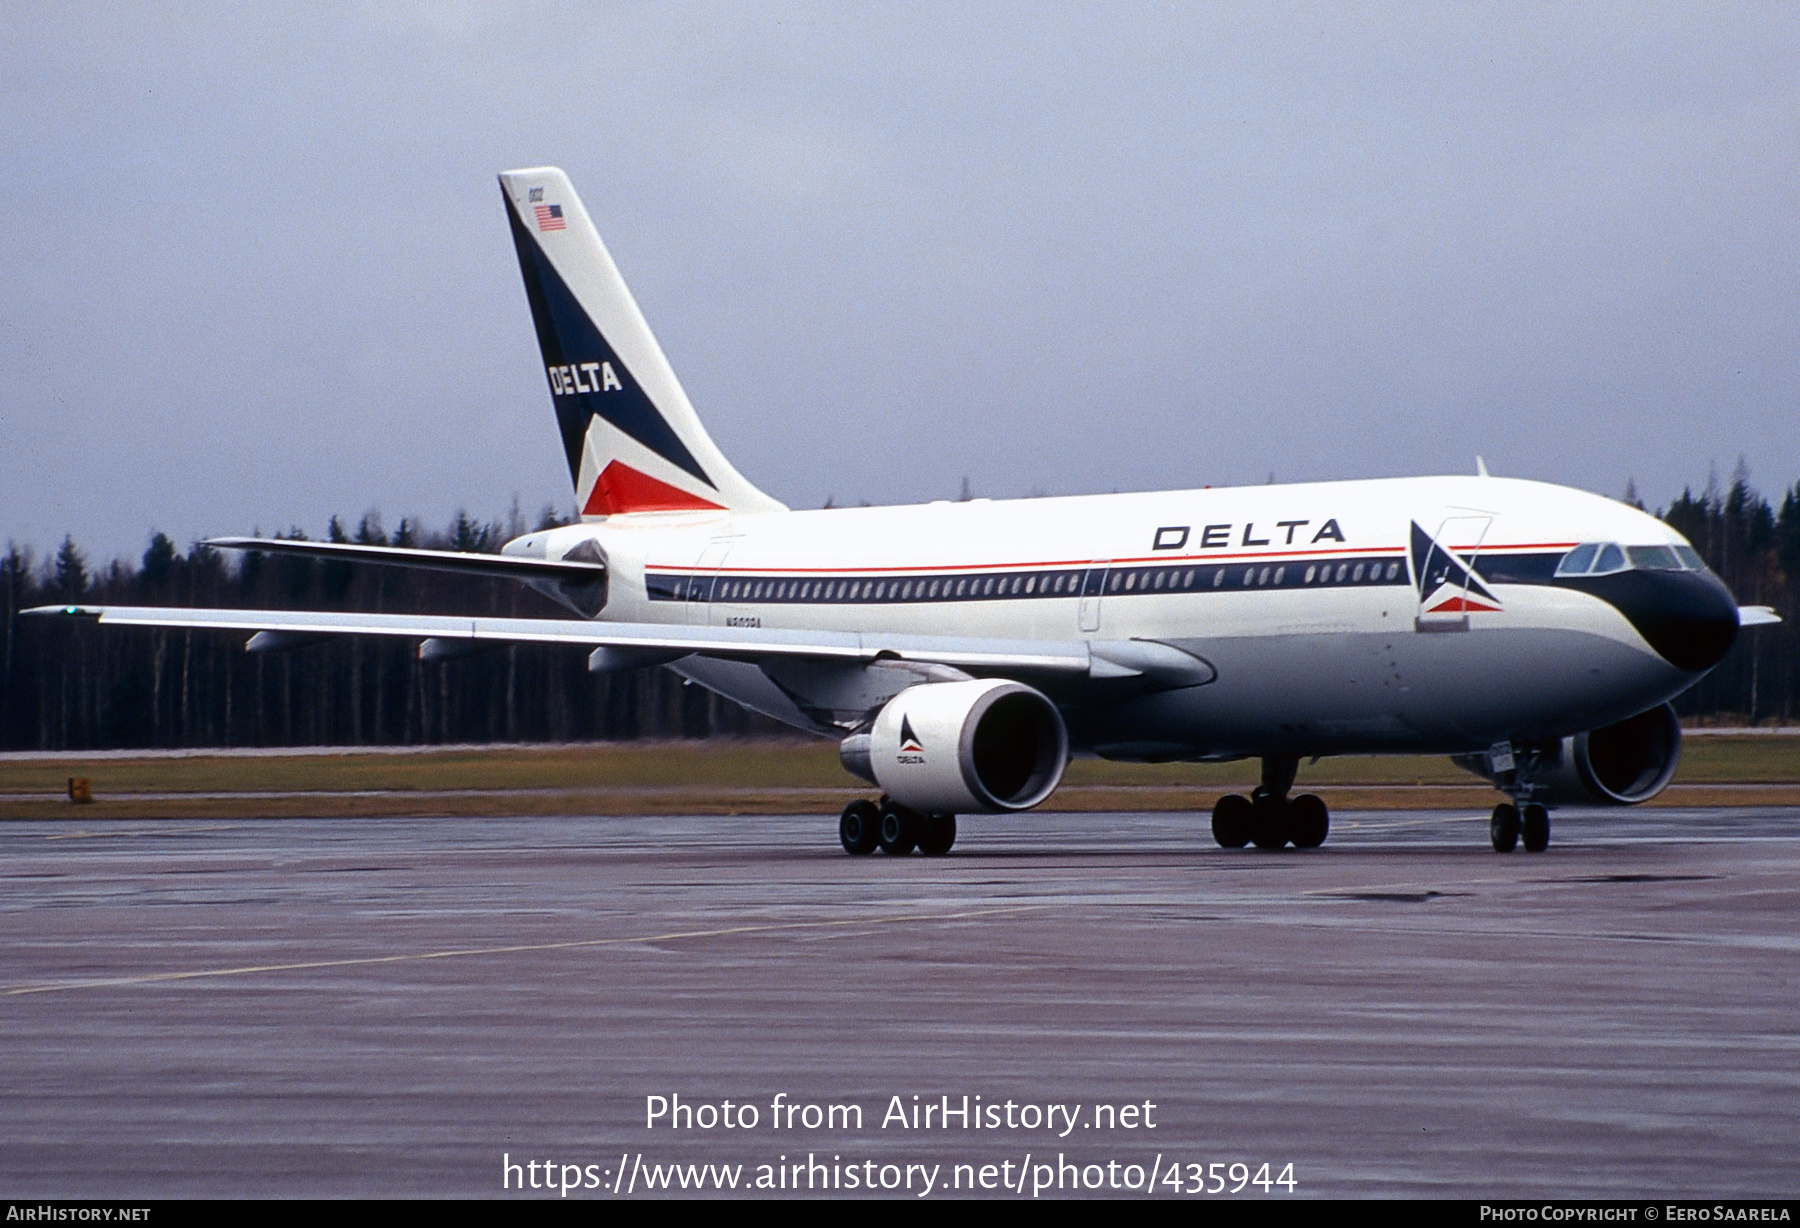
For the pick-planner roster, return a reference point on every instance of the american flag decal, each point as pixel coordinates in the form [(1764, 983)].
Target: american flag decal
[(549, 217)]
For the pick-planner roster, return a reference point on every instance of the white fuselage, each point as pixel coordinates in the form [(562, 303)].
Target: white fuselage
[(1304, 600)]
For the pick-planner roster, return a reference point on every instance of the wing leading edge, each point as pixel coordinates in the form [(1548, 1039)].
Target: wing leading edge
[(1070, 657)]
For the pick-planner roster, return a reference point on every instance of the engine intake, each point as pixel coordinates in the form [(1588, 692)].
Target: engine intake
[(982, 746)]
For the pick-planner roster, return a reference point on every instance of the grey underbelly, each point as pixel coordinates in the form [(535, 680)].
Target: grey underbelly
[(1344, 693)]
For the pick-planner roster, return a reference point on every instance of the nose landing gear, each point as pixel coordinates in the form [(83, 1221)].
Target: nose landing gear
[(1534, 822), (1515, 775), (1503, 828), (1510, 822), (1268, 818)]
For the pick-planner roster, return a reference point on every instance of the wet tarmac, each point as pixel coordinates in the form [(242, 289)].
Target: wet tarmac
[(406, 1006)]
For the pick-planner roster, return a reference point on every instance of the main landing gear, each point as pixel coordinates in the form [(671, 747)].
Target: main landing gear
[(1268, 818), (1510, 822), (895, 829)]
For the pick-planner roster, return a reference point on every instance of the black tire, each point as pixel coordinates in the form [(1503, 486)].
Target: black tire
[(1536, 827), (898, 829), (938, 835), (860, 828), (1268, 822), (1308, 821), (1231, 821), (1503, 828)]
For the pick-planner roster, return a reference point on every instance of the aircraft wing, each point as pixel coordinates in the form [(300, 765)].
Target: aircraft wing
[(656, 641), (568, 571)]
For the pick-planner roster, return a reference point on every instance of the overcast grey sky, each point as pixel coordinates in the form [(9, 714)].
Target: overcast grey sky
[(256, 268)]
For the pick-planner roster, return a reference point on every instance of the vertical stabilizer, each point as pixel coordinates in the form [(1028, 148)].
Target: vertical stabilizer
[(633, 441)]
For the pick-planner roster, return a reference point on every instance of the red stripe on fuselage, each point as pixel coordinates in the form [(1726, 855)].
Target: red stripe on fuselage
[(1164, 559)]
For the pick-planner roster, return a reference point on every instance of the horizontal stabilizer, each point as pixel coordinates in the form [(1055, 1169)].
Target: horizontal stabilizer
[(1756, 616), (502, 565)]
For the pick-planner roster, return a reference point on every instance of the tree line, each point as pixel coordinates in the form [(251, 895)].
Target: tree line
[(69, 685)]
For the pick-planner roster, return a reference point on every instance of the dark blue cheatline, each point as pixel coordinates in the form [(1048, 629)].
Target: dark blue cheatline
[(1051, 583)]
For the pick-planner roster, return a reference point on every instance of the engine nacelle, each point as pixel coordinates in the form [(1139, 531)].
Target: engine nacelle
[(1618, 765), (982, 746)]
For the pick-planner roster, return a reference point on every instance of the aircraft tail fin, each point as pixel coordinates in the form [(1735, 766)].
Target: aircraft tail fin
[(633, 440)]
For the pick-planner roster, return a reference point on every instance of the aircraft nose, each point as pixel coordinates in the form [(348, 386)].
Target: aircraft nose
[(1699, 617), (1688, 617)]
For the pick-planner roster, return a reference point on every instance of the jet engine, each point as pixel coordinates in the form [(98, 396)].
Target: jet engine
[(981, 746), (1618, 765)]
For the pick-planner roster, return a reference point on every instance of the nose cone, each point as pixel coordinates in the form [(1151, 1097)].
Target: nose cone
[(1689, 617)]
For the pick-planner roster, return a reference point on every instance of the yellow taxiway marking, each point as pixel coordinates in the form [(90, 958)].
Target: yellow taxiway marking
[(573, 944), (83, 834), (1402, 824)]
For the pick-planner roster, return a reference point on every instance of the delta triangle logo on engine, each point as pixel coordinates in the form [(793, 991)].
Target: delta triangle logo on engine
[(908, 739), (911, 749)]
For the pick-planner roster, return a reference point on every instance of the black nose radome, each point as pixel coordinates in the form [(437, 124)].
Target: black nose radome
[(1689, 617)]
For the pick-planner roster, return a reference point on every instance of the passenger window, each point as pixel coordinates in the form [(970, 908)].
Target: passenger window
[(1577, 561)]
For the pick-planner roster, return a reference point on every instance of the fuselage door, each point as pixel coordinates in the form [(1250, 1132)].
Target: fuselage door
[(1088, 616), (1444, 573), (700, 594)]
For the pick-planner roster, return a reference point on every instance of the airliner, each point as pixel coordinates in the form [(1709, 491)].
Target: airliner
[(961, 653)]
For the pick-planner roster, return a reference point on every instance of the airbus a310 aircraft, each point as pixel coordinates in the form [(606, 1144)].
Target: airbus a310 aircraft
[(962, 652)]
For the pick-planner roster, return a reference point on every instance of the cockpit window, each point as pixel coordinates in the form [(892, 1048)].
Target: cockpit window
[(1603, 558), (1577, 561), (1653, 558)]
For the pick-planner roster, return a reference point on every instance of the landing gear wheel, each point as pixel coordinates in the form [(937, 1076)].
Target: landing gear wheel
[(1503, 828), (1231, 821), (1308, 821), (939, 834), (1536, 829), (859, 829), (898, 829), (1268, 822)]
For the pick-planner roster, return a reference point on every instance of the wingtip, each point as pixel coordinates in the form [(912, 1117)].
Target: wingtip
[(78, 611)]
